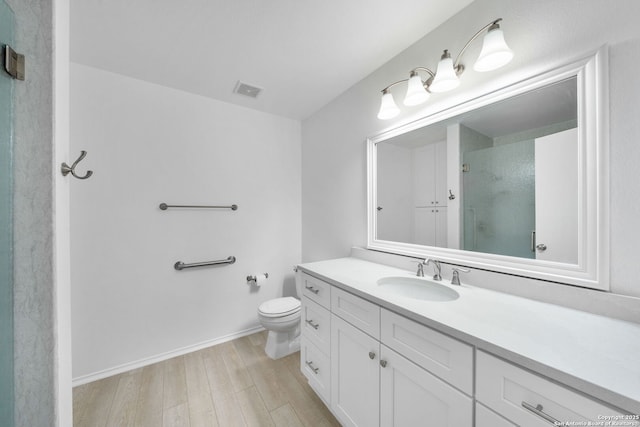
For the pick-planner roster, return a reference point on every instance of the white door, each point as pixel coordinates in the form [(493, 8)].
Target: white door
[(411, 396), (556, 165), (355, 375), (440, 170)]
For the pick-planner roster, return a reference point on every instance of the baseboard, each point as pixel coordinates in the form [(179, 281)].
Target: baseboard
[(161, 357)]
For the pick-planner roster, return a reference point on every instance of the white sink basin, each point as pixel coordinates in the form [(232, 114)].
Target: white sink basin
[(417, 288)]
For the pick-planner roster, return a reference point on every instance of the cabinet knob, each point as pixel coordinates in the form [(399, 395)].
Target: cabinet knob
[(383, 363), (372, 355), (541, 247)]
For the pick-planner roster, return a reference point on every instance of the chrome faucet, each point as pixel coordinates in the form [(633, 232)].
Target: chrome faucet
[(455, 279), (436, 268)]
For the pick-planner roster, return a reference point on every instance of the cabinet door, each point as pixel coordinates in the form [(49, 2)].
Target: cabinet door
[(410, 396), (424, 226), (441, 230), (355, 375), (440, 172), (430, 175), (430, 226), (424, 177)]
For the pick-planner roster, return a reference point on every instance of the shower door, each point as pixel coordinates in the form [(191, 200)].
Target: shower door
[(499, 199), (6, 225)]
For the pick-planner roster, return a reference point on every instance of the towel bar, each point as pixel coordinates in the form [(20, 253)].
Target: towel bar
[(181, 265)]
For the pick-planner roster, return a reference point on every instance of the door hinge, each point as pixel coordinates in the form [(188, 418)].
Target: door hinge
[(13, 63), (465, 167)]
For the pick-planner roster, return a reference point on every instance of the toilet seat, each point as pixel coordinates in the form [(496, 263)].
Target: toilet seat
[(279, 307)]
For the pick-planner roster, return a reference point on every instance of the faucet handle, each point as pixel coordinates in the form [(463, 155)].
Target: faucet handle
[(420, 272), (455, 278)]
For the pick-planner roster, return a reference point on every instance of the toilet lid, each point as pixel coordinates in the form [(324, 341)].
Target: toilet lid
[(279, 307)]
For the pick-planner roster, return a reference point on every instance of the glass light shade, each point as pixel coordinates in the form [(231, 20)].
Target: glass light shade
[(388, 108), (416, 93), (495, 52), (446, 77)]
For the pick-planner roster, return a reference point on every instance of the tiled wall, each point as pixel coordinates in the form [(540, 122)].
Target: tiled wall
[(33, 227)]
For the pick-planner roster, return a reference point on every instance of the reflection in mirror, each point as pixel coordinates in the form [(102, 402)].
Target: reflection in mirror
[(502, 179)]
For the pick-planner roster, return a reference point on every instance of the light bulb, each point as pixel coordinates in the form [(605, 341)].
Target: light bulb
[(446, 77), (416, 93), (388, 108), (495, 53)]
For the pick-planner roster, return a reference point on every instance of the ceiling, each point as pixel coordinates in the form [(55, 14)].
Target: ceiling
[(302, 53)]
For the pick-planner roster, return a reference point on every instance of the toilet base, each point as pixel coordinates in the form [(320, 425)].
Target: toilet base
[(281, 344)]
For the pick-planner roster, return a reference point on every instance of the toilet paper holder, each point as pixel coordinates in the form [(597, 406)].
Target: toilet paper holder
[(254, 279)]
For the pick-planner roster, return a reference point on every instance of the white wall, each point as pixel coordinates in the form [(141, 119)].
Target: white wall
[(543, 34), (149, 144)]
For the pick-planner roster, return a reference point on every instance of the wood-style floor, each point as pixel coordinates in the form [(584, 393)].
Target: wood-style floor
[(230, 384)]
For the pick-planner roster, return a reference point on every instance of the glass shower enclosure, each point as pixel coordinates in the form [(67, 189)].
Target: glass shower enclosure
[(6, 224)]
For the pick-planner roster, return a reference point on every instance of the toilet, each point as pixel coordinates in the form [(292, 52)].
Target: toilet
[(281, 317)]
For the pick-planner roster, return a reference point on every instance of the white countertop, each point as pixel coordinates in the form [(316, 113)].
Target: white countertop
[(596, 355)]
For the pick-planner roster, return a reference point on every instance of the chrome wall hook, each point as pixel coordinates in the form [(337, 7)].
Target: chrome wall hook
[(65, 168)]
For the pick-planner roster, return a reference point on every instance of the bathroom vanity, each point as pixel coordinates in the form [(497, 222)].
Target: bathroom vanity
[(382, 347)]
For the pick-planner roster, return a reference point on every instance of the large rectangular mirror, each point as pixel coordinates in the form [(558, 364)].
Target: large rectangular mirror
[(514, 181)]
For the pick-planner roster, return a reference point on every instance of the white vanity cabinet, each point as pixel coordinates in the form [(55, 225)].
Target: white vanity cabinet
[(374, 367), (385, 370)]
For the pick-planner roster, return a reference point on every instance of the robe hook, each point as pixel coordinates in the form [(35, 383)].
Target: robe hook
[(65, 168)]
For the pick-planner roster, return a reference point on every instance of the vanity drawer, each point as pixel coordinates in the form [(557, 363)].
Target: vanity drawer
[(445, 357), (488, 418), (316, 366), (316, 324), (316, 290), (360, 313), (507, 389)]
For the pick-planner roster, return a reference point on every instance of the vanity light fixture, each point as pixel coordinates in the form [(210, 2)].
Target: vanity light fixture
[(494, 54)]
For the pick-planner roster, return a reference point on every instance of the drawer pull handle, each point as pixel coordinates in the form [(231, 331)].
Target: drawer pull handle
[(313, 325), (383, 363), (313, 368), (372, 355), (312, 289), (537, 410)]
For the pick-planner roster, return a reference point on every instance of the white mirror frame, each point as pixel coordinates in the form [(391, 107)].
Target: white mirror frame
[(592, 269)]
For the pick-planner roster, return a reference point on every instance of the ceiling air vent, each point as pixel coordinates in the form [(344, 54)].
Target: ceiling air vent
[(247, 90)]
